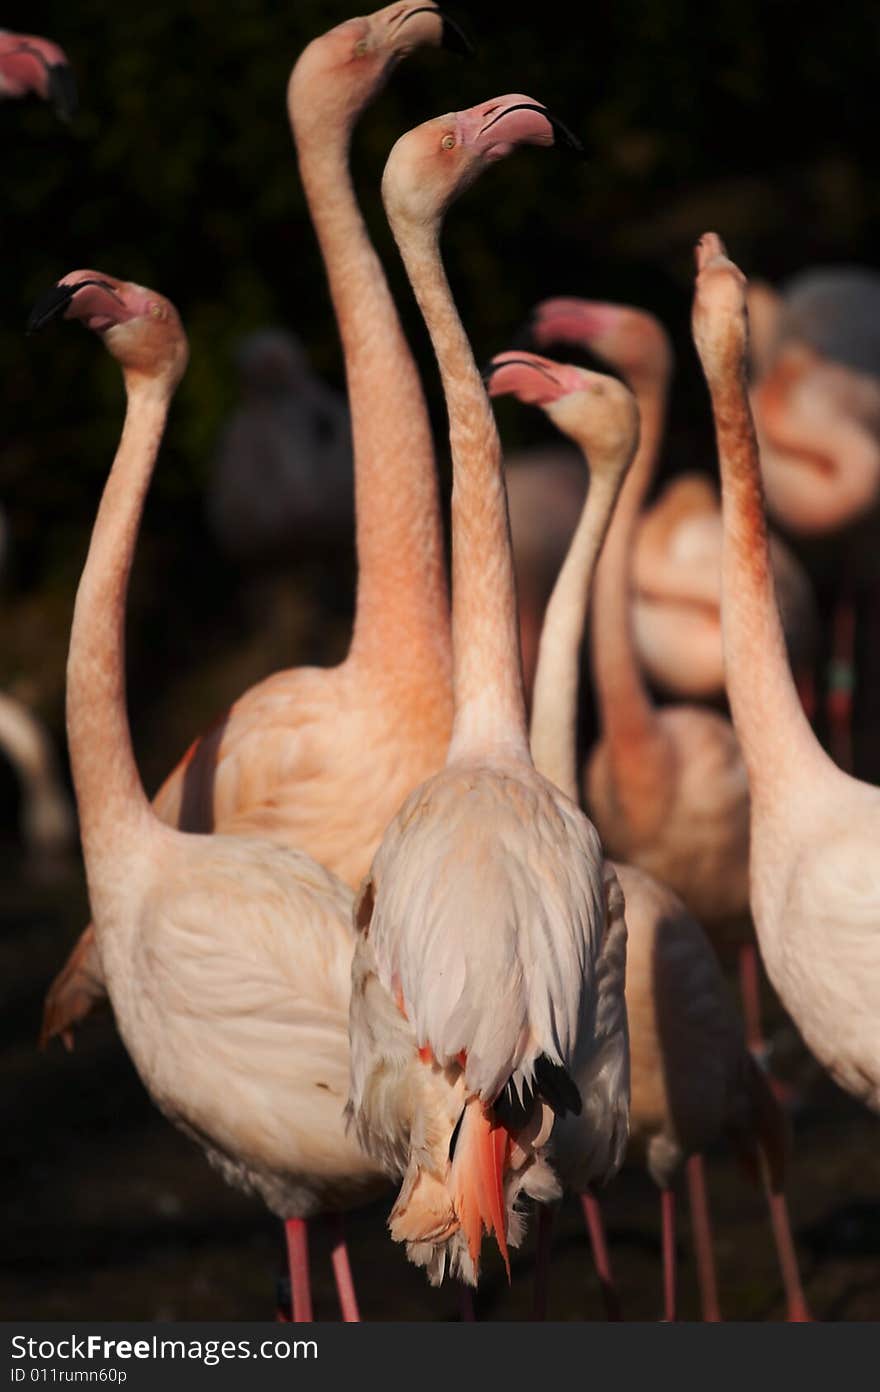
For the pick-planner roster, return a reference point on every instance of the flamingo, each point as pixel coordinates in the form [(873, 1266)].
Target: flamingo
[(487, 984), (666, 787), (677, 599), (815, 887), (816, 403), (30, 64), (227, 958), (321, 759), (692, 1078)]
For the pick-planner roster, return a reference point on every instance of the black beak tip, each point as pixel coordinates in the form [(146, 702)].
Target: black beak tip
[(566, 139), (488, 371), (454, 38), (62, 91), (49, 306)]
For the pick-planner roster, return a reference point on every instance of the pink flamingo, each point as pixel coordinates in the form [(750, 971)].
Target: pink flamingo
[(692, 1079), (815, 889), (667, 787), (227, 958), (487, 986), (677, 592), (313, 758), (32, 65), (816, 403)]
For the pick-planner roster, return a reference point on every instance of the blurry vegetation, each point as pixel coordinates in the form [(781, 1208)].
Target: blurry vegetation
[(747, 116)]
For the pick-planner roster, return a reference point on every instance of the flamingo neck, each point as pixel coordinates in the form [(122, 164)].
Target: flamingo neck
[(557, 677), (627, 715), (776, 739), (402, 607), (487, 668), (115, 816)]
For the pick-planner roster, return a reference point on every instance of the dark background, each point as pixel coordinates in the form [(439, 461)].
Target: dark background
[(755, 119)]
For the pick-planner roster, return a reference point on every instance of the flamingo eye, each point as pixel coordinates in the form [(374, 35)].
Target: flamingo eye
[(360, 48), (448, 142), (155, 311)]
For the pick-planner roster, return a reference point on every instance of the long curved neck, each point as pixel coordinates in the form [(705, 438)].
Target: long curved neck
[(627, 715), (557, 678), (114, 813), (402, 608), (487, 670), (777, 742)]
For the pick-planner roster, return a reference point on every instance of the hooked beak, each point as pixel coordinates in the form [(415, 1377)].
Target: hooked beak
[(528, 378), (55, 303), (62, 91), (452, 35), (562, 136)]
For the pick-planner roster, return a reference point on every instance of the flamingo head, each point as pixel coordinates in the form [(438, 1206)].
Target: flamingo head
[(140, 328), (30, 64), (598, 412), (433, 163), (719, 318), (338, 74), (629, 340)]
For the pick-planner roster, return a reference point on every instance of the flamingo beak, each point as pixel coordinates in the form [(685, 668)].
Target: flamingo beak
[(55, 303)]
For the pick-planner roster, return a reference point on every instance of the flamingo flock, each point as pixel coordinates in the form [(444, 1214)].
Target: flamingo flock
[(379, 935)]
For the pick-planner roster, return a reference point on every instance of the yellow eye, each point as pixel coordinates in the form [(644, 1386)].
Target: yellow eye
[(448, 142), (155, 311), (360, 48)]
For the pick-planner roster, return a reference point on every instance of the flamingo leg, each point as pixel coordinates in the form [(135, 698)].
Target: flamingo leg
[(841, 680), (467, 1313), (796, 1302), (601, 1260), (750, 991), (296, 1232), (542, 1262), (667, 1210), (342, 1271), (701, 1227)]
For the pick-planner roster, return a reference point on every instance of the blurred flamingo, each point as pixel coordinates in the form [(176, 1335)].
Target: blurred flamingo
[(816, 401), (815, 888), (48, 824), (227, 958), (29, 64), (487, 986), (313, 758), (692, 1078)]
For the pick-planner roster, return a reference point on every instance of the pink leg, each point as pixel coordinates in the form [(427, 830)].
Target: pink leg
[(596, 1229), (297, 1235), (542, 1262), (667, 1210), (750, 990), (795, 1300), (342, 1271), (467, 1313), (841, 679), (702, 1232)]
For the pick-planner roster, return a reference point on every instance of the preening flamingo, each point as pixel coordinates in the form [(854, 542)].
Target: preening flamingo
[(314, 758), (692, 1078), (815, 884), (227, 958), (30, 64), (487, 985), (816, 404), (677, 591)]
